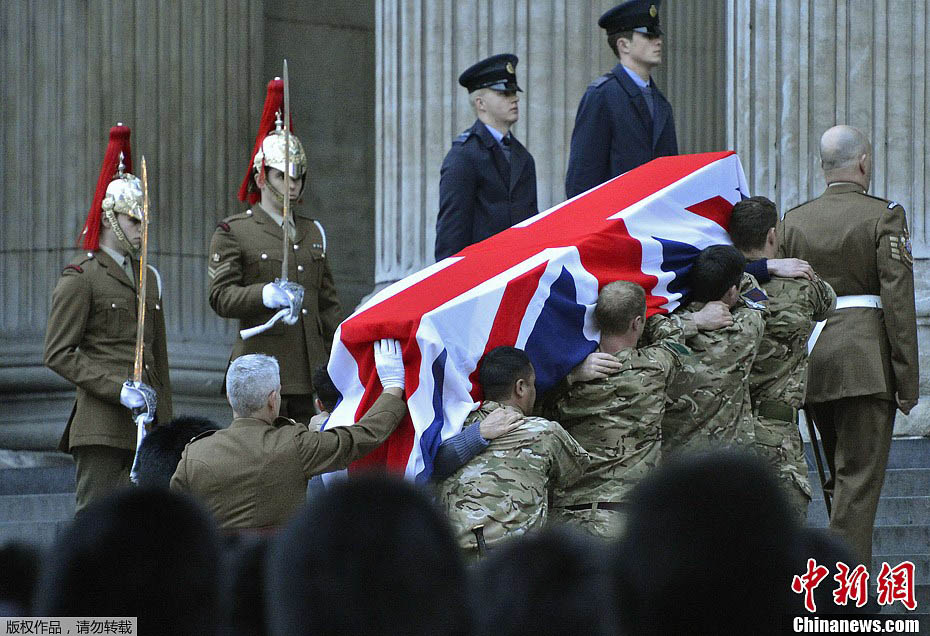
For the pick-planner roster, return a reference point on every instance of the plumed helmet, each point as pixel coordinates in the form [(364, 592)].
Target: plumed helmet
[(117, 160), (124, 195), (271, 154)]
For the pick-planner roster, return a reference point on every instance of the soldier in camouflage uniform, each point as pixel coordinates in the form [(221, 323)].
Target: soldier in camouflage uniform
[(505, 490), (778, 378), (616, 419), (715, 409)]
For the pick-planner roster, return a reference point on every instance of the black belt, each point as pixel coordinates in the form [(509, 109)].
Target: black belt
[(599, 505)]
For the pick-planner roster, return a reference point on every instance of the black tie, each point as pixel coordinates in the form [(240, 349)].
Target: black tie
[(505, 144), (650, 100)]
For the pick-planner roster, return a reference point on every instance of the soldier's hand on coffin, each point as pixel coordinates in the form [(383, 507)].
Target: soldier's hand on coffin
[(790, 268), (274, 297), (499, 421), (389, 363), (595, 367), (714, 315)]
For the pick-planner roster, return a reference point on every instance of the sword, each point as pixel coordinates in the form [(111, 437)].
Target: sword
[(287, 171), (143, 263), (140, 320)]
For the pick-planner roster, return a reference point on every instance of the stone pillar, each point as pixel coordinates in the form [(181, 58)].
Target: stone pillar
[(185, 78), (422, 47), (797, 68)]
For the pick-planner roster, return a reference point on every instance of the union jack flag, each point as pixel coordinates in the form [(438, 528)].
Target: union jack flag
[(534, 287)]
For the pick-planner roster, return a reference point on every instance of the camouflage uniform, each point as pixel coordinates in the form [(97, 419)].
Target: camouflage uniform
[(617, 420), (714, 409), (778, 379), (506, 487)]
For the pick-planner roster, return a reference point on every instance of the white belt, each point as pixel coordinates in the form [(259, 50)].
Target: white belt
[(844, 302)]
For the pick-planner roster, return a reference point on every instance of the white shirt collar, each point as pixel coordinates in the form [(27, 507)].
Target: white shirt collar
[(636, 78), (498, 135), (116, 256)]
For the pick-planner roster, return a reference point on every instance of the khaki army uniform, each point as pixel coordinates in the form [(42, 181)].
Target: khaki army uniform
[(864, 356), (714, 409), (245, 254), (253, 475), (617, 420), (90, 341), (506, 487), (778, 379)]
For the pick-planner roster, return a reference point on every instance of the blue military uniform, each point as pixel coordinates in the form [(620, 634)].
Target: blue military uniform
[(616, 128), (480, 192), (488, 181)]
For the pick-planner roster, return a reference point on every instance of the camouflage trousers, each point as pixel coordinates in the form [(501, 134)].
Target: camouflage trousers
[(779, 444), (603, 524)]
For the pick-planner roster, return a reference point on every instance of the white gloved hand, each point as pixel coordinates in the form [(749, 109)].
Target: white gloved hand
[(273, 297), (131, 397), (390, 363)]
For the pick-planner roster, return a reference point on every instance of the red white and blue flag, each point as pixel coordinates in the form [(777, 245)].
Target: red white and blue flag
[(534, 287)]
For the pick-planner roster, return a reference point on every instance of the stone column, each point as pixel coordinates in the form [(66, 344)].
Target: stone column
[(185, 78), (796, 68), (422, 47)]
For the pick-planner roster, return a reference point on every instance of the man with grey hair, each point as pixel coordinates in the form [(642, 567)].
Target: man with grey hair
[(253, 475), (863, 359)]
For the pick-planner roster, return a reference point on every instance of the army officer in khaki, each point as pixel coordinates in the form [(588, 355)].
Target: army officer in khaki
[(864, 364), (91, 335), (246, 255), (253, 475)]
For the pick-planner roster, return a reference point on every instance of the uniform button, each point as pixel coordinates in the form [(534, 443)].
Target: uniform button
[(248, 212), (296, 246), (157, 307), (303, 311), (113, 305), (264, 257), (146, 367), (300, 268), (90, 254)]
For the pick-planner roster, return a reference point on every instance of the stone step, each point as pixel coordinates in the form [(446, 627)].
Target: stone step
[(906, 452), (900, 539), (899, 482), (37, 507), (37, 479), (892, 511), (38, 533)]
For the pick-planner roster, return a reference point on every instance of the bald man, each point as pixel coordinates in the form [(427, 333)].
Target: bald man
[(863, 364)]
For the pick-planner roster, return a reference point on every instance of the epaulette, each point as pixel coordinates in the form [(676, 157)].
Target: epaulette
[(600, 80), (202, 435), (283, 421), (223, 225), (893, 204), (74, 267), (890, 204), (463, 137)]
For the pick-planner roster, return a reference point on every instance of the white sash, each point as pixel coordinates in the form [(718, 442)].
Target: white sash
[(844, 302)]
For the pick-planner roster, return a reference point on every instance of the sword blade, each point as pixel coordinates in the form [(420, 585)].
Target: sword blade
[(285, 226), (143, 264)]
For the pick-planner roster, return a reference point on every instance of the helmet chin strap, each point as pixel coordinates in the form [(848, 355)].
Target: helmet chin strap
[(120, 235), (278, 196)]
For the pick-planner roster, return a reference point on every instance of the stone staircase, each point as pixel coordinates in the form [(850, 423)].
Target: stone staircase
[(902, 524), (36, 502)]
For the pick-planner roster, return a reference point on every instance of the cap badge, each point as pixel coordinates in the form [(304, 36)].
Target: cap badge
[(653, 12), (510, 68)]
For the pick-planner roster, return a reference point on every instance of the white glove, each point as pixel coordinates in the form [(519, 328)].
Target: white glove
[(131, 397), (273, 297), (390, 364)]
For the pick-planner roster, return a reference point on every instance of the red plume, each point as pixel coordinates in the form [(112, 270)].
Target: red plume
[(274, 102), (119, 142)]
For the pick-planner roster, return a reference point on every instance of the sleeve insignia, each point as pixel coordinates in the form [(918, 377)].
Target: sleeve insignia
[(678, 348), (755, 298), (463, 137), (213, 272), (216, 257)]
